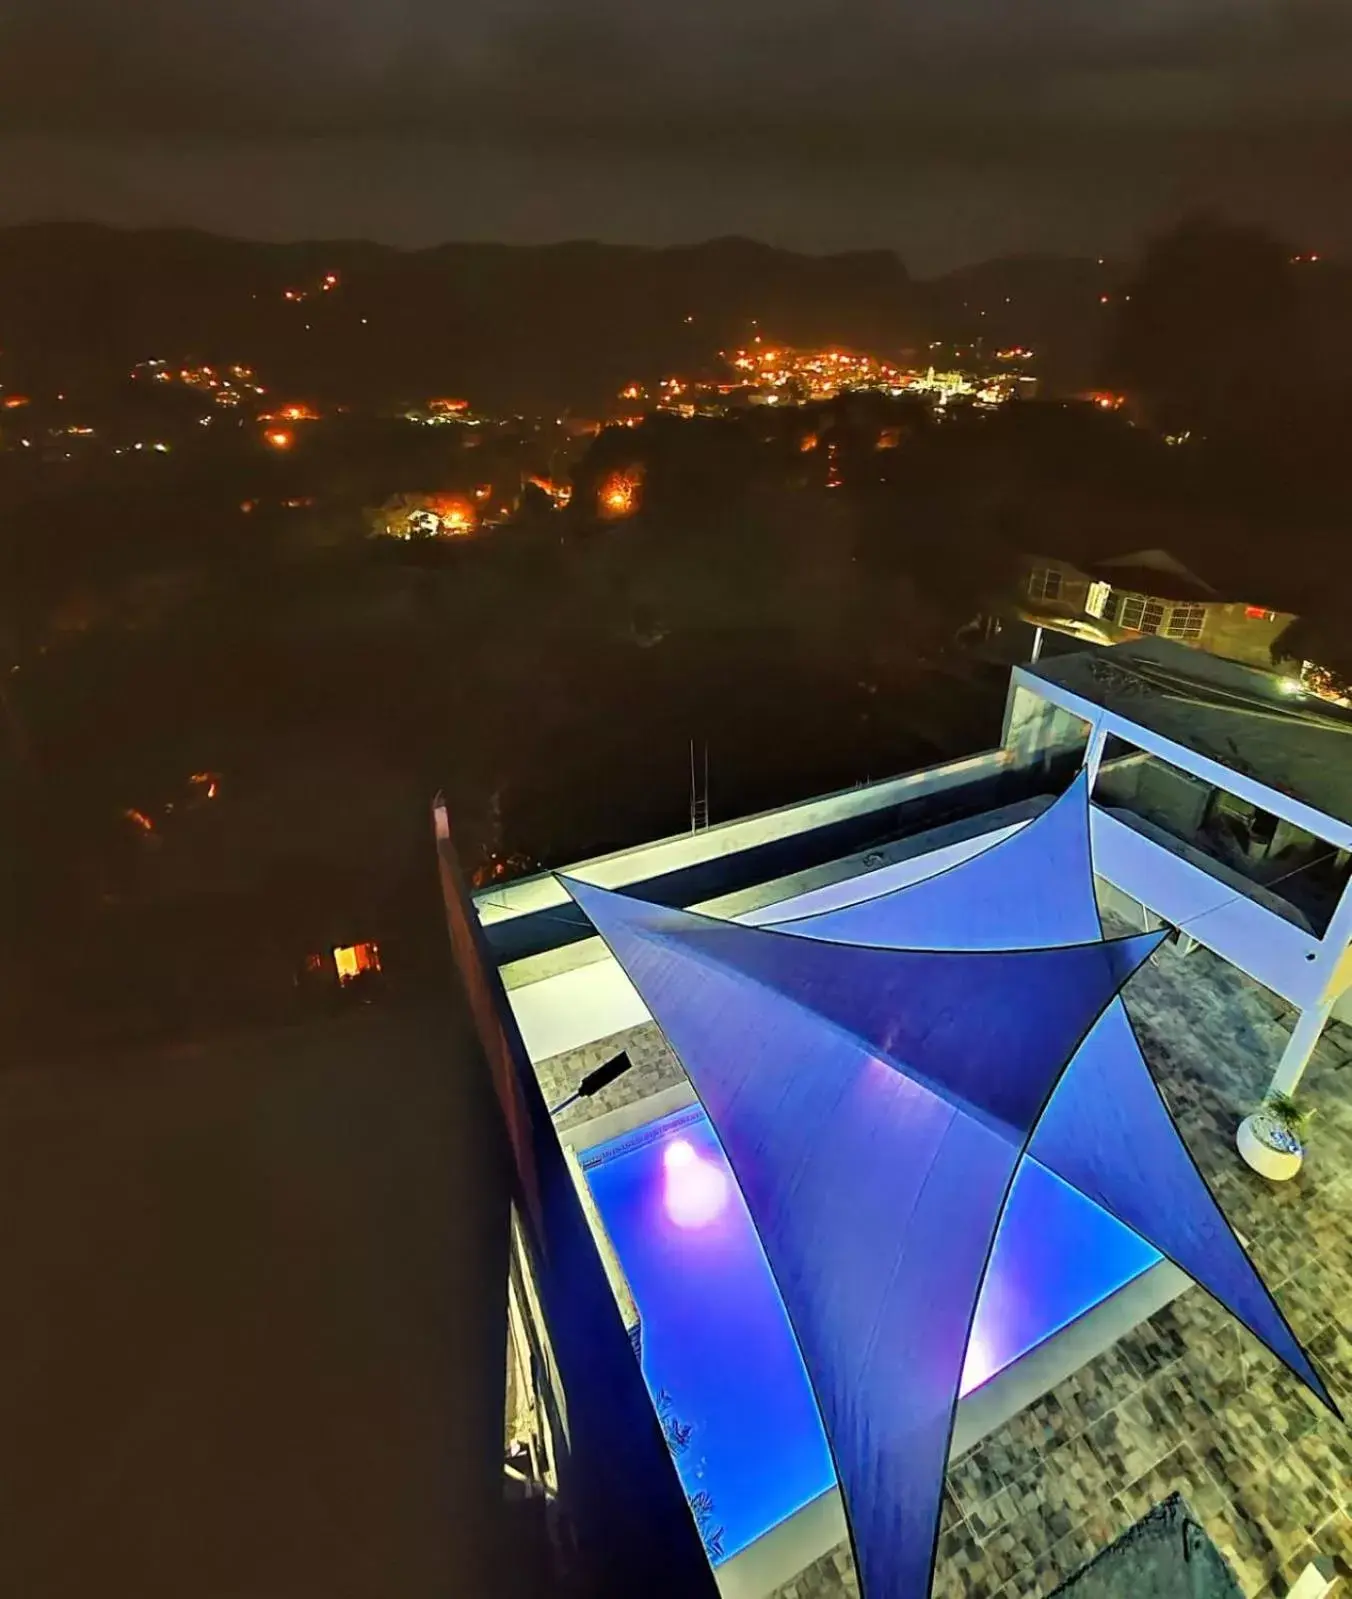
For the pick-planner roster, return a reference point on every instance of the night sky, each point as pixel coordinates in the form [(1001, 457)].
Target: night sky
[(949, 130)]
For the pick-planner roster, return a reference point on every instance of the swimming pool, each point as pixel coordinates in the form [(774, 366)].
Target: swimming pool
[(719, 1357)]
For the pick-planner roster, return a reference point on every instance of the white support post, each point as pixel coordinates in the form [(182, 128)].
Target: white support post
[(1299, 1048), (1037, 644), (1093, 755)]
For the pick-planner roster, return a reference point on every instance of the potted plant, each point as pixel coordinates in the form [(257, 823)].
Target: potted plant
[(1270, 1140)]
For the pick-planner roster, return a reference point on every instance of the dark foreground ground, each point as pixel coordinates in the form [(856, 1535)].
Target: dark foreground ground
[(251, 1339)]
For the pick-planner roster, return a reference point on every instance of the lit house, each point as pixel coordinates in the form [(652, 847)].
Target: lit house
[(1219, 810), (1147, 593)]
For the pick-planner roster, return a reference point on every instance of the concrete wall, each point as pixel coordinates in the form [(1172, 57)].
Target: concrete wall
[(686, 850), (1174, 799), (1230, 631), (535, 917)]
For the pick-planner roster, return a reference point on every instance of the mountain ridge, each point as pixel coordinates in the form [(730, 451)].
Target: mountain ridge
[(520, 327)]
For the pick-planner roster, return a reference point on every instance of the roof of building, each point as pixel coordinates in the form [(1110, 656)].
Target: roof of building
[(1154, 572), (1156, 564), (1245, 719)]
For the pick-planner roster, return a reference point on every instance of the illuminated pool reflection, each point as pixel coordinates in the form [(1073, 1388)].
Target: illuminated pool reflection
[(716, 1339)]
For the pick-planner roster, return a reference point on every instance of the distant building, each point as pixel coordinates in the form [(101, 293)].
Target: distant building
[(1146, 592)]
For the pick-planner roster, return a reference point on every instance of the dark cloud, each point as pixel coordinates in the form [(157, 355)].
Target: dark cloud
[(348, 66), (1025, 118)]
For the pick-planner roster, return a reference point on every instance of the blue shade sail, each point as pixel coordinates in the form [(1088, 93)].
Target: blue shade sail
[(1032, 889), (874, 1105), (988, 1032), (1106, 1131)]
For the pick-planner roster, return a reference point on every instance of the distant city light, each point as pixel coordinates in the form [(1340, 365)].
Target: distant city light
[(355, 959), (279, 438), (291, 413), (619, 493)]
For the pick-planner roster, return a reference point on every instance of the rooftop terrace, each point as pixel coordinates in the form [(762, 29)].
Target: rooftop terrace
[(1187, 1401)]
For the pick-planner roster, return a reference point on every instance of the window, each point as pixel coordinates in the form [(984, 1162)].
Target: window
[(1138, 613), (1044, 583), (1185, 621), (354, 960), (1112, 607)]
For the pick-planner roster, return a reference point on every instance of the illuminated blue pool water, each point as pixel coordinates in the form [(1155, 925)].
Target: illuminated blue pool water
[(716, 1340)]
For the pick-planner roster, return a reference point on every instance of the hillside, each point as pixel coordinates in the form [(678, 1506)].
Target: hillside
[(513, 328)]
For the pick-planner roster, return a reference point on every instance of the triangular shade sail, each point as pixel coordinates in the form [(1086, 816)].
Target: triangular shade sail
[(1032, 889), (874, 1105), (1106, 1130), (989, 1032)]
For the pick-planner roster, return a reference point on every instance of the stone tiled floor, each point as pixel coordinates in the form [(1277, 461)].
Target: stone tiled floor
[(1188, 1401), (654, 1068)]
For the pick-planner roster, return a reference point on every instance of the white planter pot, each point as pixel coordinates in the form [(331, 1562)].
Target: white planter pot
[(1277, 1165)]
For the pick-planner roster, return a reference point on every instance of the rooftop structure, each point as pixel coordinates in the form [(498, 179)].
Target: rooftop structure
[(570, 1007), (1257, 724)]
